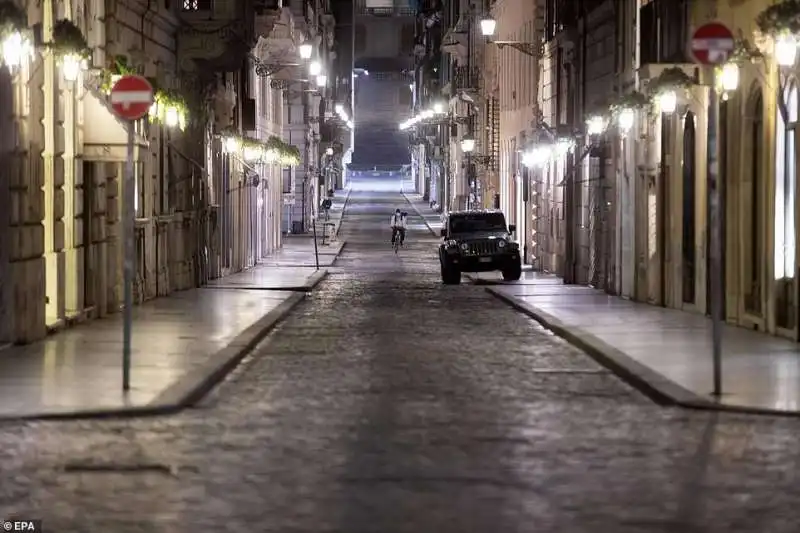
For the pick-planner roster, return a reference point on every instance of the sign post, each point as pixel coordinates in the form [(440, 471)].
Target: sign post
[(131, 98), (711, 45)]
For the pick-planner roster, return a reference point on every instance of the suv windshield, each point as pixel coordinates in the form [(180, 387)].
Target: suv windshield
[(476, 222)]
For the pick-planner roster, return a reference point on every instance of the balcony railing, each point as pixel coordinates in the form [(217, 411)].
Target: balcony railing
[(466, 78)]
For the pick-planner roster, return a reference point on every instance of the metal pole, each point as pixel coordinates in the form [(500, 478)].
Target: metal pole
[(128, 230), (316, 249), (716, 237)]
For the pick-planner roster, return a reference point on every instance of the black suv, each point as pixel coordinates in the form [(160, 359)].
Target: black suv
[(478, 241)]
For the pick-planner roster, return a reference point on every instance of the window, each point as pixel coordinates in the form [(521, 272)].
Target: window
[(785, 201), (785, 190), (197, 5), (404, 96), (754, 243), (689, 179), (287, 181), (360, 39), (406, 37)]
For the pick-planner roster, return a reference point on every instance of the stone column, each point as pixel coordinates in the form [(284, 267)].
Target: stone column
[(53, 179)]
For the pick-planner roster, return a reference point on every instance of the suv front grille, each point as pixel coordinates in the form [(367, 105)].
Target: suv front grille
[(488, 247)]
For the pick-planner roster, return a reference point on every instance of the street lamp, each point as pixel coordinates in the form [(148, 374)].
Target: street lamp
[(785, 50), (668, 101), (171, 117), (71, 66), (595, 125), (231, 145), (537, 156), (315, 68), (488, 26), (16, 47), (322, 80), (729, 79), (329, 151), (438, 108), (305, 50), (467, 144), (625, 120)]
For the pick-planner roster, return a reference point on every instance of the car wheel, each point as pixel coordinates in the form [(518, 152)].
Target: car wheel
[(513, 272), (451, 275)]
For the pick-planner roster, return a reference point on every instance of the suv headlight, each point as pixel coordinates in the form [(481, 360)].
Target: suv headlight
[(464, 246), (501, 243), (451, 243)]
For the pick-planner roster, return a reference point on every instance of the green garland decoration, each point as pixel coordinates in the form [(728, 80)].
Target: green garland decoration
[(632, 100), (745, 52), (166, 100), (780, 18), (12, 18), (279, 151), (673, 78), (68, 39), (118, 68)]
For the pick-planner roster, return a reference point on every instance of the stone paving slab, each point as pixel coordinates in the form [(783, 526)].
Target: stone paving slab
[(181, 347), (665, 350)]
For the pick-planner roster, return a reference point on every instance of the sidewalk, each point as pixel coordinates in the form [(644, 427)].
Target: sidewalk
[(183, 345), (664, 352), (430, 218)]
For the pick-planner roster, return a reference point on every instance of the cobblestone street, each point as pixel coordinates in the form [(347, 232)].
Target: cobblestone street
[(388, 402)]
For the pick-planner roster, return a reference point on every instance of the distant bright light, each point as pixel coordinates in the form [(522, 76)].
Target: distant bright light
[(438, 108), (322, 80), (626, 119), (314, 68)]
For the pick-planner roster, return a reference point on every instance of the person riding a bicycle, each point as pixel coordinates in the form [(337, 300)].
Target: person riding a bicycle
[(398, 225)]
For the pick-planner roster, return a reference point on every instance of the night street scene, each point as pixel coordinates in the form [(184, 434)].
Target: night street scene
[(399, 266)]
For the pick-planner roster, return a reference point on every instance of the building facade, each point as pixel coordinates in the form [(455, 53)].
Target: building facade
[(209, 160)]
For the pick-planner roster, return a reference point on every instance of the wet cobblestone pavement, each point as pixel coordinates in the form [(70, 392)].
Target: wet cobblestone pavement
[(390, 403)]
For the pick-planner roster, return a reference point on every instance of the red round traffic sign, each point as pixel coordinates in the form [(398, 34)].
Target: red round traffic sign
[(131, 97), (712, 43)]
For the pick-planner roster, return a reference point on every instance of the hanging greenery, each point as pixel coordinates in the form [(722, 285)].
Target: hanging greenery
[(285, 152), (632, 100), (745, 52), (12, 18), (69, 40), (670, 79), (783, 17), (274, 150), (119, 67), (169, 109)]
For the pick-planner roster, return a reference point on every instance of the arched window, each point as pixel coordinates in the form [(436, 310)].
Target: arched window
[(785, 189), (754, 240), (689, 179), (785, 201)]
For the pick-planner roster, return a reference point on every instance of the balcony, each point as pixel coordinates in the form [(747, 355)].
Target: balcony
[(208, 41), (267, 13), (466, 78)]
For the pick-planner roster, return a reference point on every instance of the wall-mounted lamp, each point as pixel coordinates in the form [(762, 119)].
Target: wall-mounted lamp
[(305, 50), (488, 26)]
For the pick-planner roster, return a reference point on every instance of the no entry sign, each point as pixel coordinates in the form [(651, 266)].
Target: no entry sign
[(131, 97), (712, 44)]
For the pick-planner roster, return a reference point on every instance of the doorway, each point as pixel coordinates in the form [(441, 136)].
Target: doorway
[(689, 220)]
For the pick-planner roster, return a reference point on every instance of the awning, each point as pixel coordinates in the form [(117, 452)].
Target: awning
[(105, 137)]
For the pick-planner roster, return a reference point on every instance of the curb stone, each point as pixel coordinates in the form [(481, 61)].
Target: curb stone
[(419, 214), (192, 387), (344, 208), (650, 383)]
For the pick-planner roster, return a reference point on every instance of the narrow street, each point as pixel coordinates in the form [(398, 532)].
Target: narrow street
[(388, 402)]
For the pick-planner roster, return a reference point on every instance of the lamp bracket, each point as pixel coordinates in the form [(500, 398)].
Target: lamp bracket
[(529, 49)]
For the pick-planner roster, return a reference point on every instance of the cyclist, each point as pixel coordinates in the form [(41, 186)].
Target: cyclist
[(398, 225)]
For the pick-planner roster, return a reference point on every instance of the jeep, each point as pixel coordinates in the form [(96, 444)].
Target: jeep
[(478, 241)]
